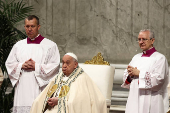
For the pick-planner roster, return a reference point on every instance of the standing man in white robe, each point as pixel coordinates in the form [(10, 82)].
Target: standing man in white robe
[(71, 91), (31, 64), (147, 76)]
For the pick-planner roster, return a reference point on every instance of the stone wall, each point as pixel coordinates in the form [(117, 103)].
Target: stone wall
[(111, 27), (1, 77)]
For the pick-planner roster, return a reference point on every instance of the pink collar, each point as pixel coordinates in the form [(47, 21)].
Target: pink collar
[(37, 40), (149, 52)]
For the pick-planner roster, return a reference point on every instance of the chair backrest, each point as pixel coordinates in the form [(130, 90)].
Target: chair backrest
[(102, 75)]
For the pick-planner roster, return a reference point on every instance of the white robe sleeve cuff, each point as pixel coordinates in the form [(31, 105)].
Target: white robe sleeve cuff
[(124, 85), (38, 74), (18, 71), (37, 69), (142, 79), (16, 74), (145, 80)]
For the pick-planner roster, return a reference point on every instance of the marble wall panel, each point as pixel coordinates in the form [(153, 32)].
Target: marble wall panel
[(139, 17), (49, 17), (111, 27), (156, 22), (166, 27), (105, 32), (84, 29), (40, 9), (61, 24)]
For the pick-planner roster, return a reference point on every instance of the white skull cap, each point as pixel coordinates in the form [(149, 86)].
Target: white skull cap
[(72, 55)]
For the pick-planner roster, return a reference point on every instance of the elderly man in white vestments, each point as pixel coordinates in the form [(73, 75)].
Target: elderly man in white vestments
[(31, 64), (71, 91), (147, 76)]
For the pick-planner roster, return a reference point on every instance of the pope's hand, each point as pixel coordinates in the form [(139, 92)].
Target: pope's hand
[(52, 101)]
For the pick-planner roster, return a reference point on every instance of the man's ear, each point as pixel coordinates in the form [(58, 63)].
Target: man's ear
[(76, 64), (39, 27), (153, 40)]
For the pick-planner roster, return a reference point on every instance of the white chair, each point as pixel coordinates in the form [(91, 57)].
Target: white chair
[(103, 76)]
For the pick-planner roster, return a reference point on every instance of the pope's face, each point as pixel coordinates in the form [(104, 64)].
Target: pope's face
[(68, 65), (31, 28), (144, 40)]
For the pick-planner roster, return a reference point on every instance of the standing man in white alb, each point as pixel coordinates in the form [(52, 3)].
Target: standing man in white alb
[(31, 64), (147, 77)]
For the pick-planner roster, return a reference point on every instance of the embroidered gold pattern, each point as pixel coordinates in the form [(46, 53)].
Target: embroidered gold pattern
[(52, 90), (64, 90), (98, 59)]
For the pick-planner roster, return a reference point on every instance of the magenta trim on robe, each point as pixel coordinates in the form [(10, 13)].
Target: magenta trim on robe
[(36, 41), (149, 52)]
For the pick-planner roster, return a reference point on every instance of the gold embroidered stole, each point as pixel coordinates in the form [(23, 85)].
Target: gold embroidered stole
[(65, 86)]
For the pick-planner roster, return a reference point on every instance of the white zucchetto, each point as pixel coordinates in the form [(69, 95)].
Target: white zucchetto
[(72, 55)]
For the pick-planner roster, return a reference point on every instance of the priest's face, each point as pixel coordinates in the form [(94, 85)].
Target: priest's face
[(144, 40), (31, 28), (69, 64)]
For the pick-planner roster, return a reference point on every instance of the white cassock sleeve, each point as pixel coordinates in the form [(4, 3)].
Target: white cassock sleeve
[(155, 77), (47, 70), (125, 75), (13, 66)]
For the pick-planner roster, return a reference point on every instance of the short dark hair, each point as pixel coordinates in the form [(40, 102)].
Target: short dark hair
[(30, 17)]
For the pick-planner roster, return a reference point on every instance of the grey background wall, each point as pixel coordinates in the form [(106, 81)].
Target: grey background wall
[(111, 27)]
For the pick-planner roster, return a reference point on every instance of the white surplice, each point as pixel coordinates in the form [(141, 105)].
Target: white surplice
[(29, 84), (148, 93)]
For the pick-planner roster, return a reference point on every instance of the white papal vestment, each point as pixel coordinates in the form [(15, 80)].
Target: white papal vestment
[(148, 93), (28, 84), (82, 96)]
